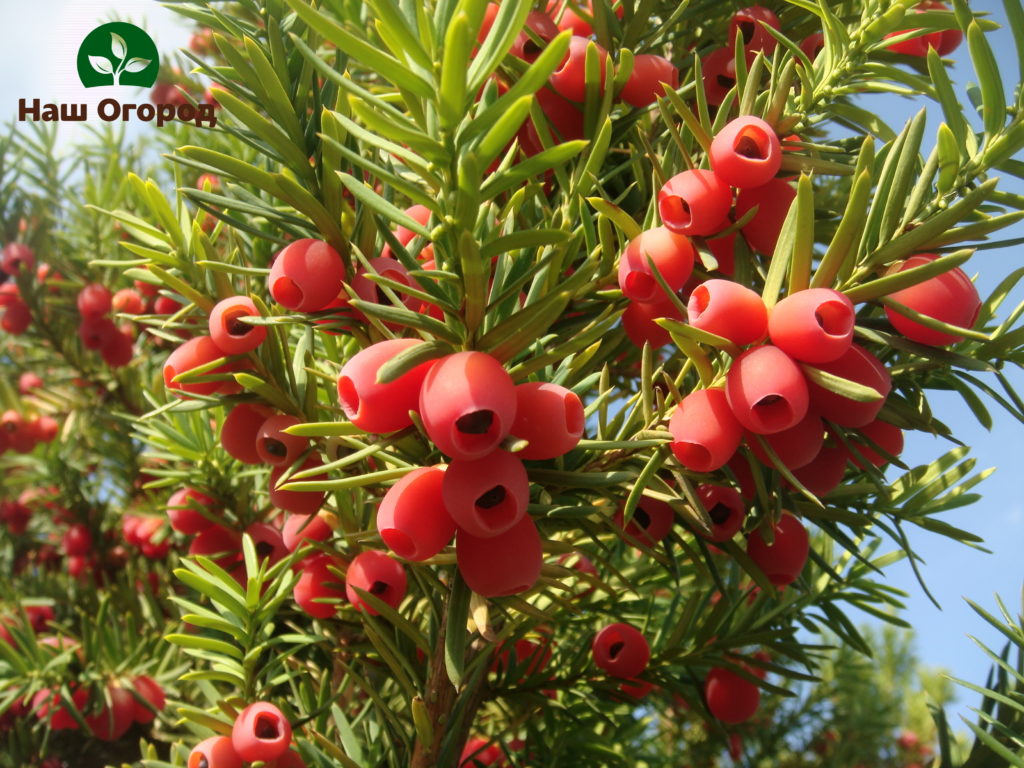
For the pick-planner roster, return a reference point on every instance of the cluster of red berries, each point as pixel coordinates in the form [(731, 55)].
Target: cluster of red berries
[(15, 259), (148, 534), (98, 330), (260, 732), (21, 434), (468, 406)]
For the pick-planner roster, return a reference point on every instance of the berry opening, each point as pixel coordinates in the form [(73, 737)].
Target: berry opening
[(752, 143), (700, 300), (264, 550), (274, 447), (475, 423), (531, 50), (233, 323), (676, 213), (492, 498), (719, 514), (378, 588), (348, 396), (640, 285), (773, 412), (203, 763), (615, 649), (725, 81), (642, 518), (747, 29), (495, 508), (266, 727), (287, 292), (834, 318)]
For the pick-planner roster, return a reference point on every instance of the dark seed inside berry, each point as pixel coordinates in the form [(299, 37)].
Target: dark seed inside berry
[(475, 423), (274, 447), (236, 327), (203, 763), (615, 649), (725, 81), (767, 400), (719, 513), (266, 727), (747, 147), (264, 549), (491, 498), (747, 29), (642, 518), (379, 588)]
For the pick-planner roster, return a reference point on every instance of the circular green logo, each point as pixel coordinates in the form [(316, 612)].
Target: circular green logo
[(118, 54)]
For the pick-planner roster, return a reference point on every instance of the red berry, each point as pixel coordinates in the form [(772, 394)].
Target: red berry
[(750, 23), (379, 407), (950, 297), (193, 353), (372, 292), (651, 73), (150, 691), (814, 325), (672, 255), (222, 545), (704, 430), (374, 572), (165, 305), (28, 381), (825, 471), (729, 310), (862, 367), (812, 45), (550, 417), (183, 511), (412, 518), (795, 447), (468, 404), (94, 300), (695, 202), (501, 565), (731, 698), (773, 200), (306, 275), (97, 332), (746, 152), (569, 80), (651, 521), (766, 390), (17, 318), (886, 436), (119, 350), (261, 732), (486, 496), (478, 752), (77, 540), (784, 559), (298, 502), (115, 718), (268, 541), (621, 650), (214, 752), (276, 447), (49, 703), (300, 530), (17, 256), (239, 431), (229, 332), (718, 69), (317, 591), (726, 509), (638, 322)]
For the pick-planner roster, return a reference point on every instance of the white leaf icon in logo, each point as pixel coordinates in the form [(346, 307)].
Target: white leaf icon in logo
[(136, 65), (117, 46), (101, 65)]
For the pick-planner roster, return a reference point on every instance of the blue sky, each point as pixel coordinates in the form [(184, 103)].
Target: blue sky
[(40, 50)]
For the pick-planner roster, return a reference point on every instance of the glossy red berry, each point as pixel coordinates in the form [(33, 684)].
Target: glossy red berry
[(151, 691), (784, 559), (813, 325), (468, 404), (501, 565), (300, 530), (730, 310), (320, 590), (376, 406), (550, 417), (569, 80), (950, 297), (888, 437), (772, 201), (621, 650), (229, 332), (750, 23), (195, 352), (486, 496), (17, 256), (647, 81), (726, 509), (672, 255), (746, 153), (766, 390), (651, 521), (374, 572), (731, 698), (795, 447), (276, 447), (705, 433), (862, 367), (183, 511), (298, 502), (94, 300), (564, 119), (718, 69), (695, 202), (115, 718), (240, 429), (412, 518), (638, 322), (214, 752), (307, 275), (261, 732)]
